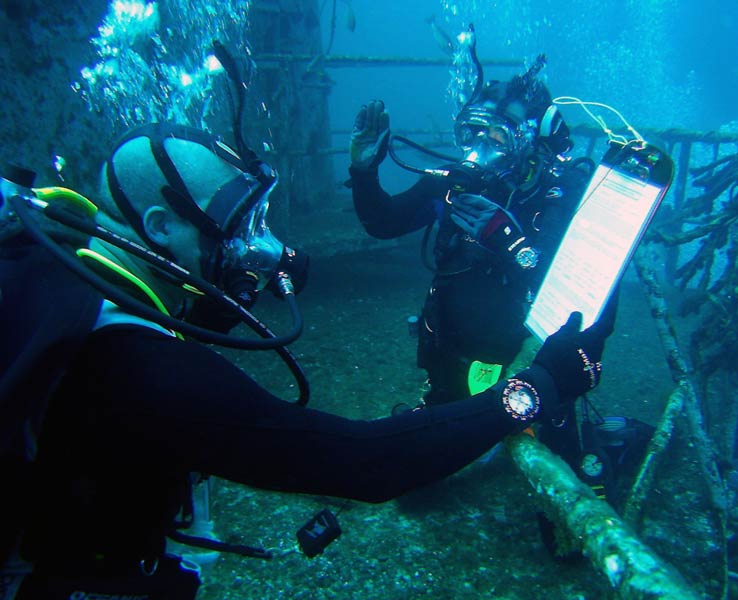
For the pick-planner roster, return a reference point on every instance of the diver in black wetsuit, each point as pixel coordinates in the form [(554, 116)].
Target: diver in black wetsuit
[(131, 407), (501, 213)]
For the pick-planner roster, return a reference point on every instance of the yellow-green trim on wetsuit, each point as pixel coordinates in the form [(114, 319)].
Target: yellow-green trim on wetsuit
[(128, 276)]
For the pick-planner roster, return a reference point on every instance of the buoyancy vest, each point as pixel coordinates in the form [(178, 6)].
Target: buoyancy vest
[(46, 312)]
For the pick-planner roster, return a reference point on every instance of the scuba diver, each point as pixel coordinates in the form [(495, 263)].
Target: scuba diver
[(112, 397), (500, 213)]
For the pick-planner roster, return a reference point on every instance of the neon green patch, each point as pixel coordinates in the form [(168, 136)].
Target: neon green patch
[(482, 376)]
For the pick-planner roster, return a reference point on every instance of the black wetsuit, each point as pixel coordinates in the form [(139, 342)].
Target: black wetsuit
[(137, 411), (479, 296)]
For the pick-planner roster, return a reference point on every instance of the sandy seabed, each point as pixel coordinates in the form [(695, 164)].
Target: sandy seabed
[(473, 535)]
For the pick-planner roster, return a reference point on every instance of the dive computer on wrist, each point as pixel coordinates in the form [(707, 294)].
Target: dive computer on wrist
[(520, 399)]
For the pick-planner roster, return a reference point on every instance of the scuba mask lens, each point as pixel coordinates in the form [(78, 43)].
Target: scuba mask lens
[(501, 134), (465, 135), (496, 150), (487, 149), (254, 247), (252, 257), (227, 208), (484, 136)]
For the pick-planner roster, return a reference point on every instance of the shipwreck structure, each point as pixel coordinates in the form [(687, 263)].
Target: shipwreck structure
[(694, 237)]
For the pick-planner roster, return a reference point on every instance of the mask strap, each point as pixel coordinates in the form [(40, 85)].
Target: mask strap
[(178, 196), (175, 194), (125, 207)]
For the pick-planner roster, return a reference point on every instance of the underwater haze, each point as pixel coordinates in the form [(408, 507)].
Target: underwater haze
[(662, 64), (75, 74)]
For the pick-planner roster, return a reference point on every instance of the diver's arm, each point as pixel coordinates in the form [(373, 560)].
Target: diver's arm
[(385, 216), (377, 460), (186, 405)]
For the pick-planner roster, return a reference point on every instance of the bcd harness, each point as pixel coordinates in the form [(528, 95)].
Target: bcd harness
[(46, 314)]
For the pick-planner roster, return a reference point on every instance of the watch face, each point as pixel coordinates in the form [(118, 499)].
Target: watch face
[(520, 399), (527, 257), (592, 465)]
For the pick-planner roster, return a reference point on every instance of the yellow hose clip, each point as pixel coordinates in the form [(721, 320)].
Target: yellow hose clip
[(73, 200)]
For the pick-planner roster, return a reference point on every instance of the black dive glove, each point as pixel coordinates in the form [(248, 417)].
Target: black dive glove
[(572, 357), (370, 136)]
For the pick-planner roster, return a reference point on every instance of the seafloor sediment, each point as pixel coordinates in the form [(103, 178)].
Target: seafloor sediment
[(474, 535)]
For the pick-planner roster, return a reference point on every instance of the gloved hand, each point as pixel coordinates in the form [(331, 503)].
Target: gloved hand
[(572, 357), (471, 213), (370, 136)]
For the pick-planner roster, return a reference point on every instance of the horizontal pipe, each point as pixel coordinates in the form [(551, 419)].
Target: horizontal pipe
[(582, 131), (339, 60), (634, 571), (672, 135)]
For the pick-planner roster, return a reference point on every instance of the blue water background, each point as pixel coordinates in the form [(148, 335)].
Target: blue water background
[(662, 64)]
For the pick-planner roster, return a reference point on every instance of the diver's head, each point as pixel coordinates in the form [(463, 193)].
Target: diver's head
[(505, 124), (187, 197)]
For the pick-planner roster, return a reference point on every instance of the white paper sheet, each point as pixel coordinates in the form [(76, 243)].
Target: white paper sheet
[(610, 221)]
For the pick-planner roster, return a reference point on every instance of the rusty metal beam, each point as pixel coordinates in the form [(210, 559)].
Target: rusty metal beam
[(339, 60), (634, 571)]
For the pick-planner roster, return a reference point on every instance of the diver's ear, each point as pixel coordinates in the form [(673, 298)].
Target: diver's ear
[(157, 225)]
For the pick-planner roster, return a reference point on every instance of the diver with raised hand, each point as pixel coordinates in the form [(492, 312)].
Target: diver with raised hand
[(499, 213), (117, 402)]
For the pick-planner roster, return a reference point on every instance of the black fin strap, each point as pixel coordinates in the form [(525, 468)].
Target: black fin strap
[(178, 197), (134, 219)]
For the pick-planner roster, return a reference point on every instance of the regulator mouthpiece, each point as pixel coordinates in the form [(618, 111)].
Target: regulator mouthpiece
[(254, 259)]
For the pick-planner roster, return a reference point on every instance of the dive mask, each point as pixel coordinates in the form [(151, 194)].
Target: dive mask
[(490, 140), (250, 256)]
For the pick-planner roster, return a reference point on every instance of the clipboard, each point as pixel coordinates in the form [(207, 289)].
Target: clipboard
[(621, 199)]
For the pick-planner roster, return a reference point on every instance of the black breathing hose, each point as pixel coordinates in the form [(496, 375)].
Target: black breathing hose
[(477, 64), (408, 167), (252, 163), (127, 302), (231, 68)]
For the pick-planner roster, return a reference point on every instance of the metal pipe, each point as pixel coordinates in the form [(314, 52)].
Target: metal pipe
[(339, 60), (634, 571), (672, 135), (684, 136)]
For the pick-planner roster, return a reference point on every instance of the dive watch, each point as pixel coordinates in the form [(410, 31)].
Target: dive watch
[(592, 465), (520, 399)]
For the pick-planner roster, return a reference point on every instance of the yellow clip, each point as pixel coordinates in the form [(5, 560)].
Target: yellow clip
[(72, 198)]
